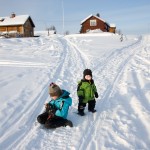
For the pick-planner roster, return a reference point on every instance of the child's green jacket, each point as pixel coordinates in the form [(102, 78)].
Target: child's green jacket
[(86, 89)]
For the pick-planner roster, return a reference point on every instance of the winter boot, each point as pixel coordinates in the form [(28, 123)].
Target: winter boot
[(69, 123), (91, 106), (81, 109), (93, 111), (42, 118), (81, 113)]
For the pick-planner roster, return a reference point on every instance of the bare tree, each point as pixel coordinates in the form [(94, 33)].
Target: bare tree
[(67, 33), (119, 31), (52, 28), (47, 29)]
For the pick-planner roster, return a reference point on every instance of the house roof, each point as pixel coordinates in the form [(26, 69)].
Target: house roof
[(90, 17), (17, 20), (111, 25)]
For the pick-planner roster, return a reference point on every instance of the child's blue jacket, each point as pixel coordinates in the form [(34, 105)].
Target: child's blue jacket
[(62, 104)]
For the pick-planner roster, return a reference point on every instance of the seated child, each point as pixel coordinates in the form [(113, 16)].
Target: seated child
[(57, 109)]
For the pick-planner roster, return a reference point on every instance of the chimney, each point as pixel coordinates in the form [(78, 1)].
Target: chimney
[(13, 15)]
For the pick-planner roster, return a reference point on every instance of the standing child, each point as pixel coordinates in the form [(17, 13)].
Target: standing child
[(57, 109), (87, 93)]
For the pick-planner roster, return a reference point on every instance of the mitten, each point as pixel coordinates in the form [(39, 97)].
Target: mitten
[(50, 109), (96, 94), (47, 107)]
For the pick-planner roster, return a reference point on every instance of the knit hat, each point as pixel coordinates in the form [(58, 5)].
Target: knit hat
[(54, 90), (87, 72)]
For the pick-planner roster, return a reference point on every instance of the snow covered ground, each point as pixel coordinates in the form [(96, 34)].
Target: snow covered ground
[(121, 71)]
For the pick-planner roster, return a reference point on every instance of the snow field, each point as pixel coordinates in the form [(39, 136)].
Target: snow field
[(121, 71)]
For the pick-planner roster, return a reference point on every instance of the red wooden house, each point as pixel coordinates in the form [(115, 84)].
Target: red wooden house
[(94, 22)]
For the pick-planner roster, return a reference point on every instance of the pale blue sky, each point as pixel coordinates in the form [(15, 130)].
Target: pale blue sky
[(130, 16)]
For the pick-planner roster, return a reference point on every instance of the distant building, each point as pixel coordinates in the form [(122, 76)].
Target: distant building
[(94, 22), (17, 26)]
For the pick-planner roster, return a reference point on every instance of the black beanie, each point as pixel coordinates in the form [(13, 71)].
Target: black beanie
[(87, 72)]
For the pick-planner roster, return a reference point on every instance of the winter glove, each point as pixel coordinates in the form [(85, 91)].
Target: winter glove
[(50, 109), (81, 99), (46, 106), (96, 94)]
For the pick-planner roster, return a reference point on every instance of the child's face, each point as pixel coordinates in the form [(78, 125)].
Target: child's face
[(88, 77), (54, 97)]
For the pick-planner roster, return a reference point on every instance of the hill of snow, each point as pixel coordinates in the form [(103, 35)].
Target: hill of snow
[(121, 71)]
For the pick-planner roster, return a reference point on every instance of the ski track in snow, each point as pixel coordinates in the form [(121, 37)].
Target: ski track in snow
[(70, 65), (123, 58), (68, 57)]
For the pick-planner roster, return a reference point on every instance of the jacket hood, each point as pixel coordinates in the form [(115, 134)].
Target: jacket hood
[(65, 93), (65, 96)]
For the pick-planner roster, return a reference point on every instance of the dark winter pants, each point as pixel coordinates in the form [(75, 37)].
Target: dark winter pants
[(91, 105), (53, 122)]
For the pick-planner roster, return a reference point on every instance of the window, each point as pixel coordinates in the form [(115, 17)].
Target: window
[(93, 23)]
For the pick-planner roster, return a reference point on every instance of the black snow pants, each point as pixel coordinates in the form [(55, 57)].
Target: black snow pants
[(53, 122), (91, 106)]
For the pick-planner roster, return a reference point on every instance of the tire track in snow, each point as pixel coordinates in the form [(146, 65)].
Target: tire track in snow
[(101, 105), (21, 64), (70, 60), (81, 57), (25, 137), (70, 57), (141, 103), (100, 66), (24, 119), (24, 132), (71, 65), (75, 62)]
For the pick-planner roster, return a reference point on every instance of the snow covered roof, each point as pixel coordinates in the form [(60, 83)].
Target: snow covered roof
[(90, 17), (17, 20), (111, 25)]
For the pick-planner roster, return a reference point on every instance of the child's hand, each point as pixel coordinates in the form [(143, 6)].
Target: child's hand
[(96, 94), (46, 105)]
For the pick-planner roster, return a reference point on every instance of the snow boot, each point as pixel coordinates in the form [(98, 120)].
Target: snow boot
[(93, 111), (42, 118), (69, 123), (81, 113)]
